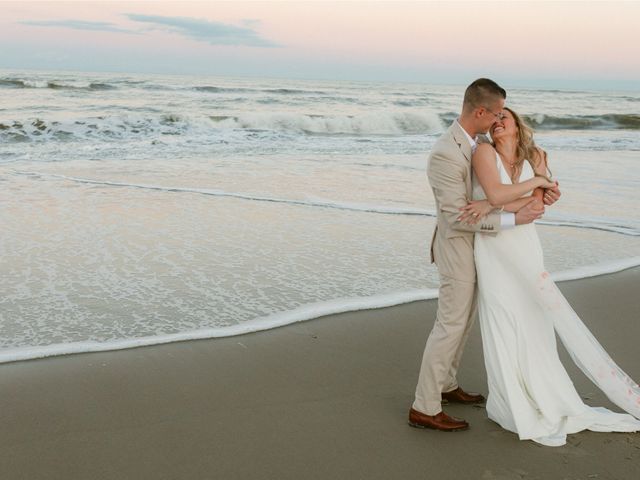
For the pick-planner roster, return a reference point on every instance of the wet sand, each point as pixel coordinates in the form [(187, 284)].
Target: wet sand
[(324, 399)]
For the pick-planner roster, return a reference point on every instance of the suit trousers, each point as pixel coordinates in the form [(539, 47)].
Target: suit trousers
[(457, 306)]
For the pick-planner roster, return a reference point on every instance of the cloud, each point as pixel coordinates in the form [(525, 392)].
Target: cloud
[(77, 25), (215, 33)]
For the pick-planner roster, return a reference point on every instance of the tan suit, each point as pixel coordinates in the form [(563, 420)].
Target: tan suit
[(449, 172)]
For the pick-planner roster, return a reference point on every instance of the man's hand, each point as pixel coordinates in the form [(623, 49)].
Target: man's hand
[(474, 212), (551, 195), (530, 212)]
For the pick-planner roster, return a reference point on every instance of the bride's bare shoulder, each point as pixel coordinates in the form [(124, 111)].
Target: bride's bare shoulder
[(484, 152)]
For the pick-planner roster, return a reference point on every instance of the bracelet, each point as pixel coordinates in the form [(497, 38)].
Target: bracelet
[(501, 209)]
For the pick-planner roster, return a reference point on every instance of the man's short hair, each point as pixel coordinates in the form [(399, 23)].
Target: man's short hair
[(481, 93)]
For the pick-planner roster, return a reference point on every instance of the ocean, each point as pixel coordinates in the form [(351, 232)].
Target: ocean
[(142, 209)]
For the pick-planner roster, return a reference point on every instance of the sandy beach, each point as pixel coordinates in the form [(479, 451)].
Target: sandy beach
[(324, 399)]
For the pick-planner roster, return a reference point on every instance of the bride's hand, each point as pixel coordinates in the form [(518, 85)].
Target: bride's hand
[(475, 211), (546, 182)]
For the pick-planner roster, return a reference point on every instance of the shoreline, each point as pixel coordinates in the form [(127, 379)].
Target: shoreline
[(312, 400), (304, 313)]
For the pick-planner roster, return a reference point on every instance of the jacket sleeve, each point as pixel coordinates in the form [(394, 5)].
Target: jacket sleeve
[(448, 181)]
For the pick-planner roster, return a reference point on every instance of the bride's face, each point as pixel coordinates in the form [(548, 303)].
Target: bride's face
[(505, 128)]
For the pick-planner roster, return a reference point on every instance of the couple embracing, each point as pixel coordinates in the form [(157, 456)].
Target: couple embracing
[(490, 261)]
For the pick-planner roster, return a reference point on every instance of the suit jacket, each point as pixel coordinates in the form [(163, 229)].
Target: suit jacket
[(449, 173)]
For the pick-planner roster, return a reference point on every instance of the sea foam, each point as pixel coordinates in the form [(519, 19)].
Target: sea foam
[(300, 314)]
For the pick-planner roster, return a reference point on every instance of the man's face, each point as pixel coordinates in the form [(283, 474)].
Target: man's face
[(488, 115)]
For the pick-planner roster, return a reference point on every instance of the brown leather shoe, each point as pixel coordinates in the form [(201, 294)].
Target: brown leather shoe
[(441, 421), (460, 396)]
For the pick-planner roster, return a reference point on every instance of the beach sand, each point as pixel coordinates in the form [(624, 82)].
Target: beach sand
[(324, 399)]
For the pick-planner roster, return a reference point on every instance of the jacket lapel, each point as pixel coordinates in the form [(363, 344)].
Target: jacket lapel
[(461, 140)]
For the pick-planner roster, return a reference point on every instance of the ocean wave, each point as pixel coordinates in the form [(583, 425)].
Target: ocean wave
[(414, 102), (102, 128), (130, 126), (611, 121), (552, 220), (380, 123), (11, 83), (606, 225), (55, 85), (448, 117), (278, 91), (301, 314), (293, 91), (212, 89)]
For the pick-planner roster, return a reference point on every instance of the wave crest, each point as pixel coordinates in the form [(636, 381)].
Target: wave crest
[(610, 121), (125, 127), (383, 123), (54, 85)]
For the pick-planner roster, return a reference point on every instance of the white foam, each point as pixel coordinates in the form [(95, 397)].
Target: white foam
[(300, 314), (593, 223), (134, 125), (377, 123), (598, 269)]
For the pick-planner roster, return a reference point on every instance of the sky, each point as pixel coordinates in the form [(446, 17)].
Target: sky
[(570, 44)]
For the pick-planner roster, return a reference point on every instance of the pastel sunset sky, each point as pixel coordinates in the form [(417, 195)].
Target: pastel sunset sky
[(551, 44)]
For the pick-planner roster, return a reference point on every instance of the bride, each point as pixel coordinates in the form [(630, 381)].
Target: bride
[(520, 308)]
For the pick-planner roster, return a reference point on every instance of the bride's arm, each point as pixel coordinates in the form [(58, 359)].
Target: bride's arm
[(539, 165), (519, 203), (486, 170), (475, 211)]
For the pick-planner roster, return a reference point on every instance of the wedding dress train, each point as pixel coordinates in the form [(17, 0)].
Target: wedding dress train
[(520, 311)]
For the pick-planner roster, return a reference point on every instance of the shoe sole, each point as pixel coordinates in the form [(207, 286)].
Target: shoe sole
[(455, 429)]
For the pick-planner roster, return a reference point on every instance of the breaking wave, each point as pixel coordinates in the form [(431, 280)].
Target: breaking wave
[(612, 121), (123, 127), (17, 83), (382, 123)]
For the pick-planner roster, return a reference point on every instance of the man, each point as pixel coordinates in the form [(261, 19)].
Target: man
[(449, 173)]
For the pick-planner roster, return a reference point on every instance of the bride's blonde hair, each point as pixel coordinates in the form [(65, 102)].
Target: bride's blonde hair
[(526, 148)]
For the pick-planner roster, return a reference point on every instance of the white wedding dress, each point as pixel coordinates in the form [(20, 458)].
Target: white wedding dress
[(520, 308)]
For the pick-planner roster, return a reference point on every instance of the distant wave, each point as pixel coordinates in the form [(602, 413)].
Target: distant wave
[(378, 123), (134, 125), (552, 220), (213, 89), (10, 82), (281, 91), (17, 83), (300, 314), (104, 128), (448, 117), (611, 121)]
